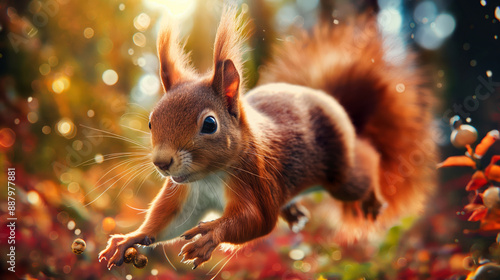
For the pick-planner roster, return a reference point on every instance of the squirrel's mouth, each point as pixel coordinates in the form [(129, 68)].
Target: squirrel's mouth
[(180, 179)]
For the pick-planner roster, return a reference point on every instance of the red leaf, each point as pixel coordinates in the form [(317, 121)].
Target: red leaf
[(457, 161), (487, 141), (490, 226), (478, 180), (478, 214)]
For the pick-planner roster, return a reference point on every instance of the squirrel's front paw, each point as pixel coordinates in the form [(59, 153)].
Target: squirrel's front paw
[(199, 250), (119, 243)]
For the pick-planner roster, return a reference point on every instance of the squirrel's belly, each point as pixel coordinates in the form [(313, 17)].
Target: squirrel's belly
[(204, 196)]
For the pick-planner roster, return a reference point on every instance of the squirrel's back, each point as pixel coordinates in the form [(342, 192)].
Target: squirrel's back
[(387, 102)]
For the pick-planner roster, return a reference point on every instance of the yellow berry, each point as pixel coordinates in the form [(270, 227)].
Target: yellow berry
[(140, 261), (130, 255), (491, 197), (78, 246)]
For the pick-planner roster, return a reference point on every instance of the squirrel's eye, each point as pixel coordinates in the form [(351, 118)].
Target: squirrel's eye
[(149, 125), (209, 125)]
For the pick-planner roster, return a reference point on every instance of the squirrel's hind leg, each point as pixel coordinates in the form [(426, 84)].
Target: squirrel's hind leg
[(363, 182), (296, 215)]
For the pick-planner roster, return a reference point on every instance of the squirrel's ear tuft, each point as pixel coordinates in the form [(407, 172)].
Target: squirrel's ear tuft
[(226, 82), (174, 63)]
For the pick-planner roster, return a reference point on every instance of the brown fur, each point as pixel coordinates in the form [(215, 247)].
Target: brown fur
[(281, 139), (347, 62)]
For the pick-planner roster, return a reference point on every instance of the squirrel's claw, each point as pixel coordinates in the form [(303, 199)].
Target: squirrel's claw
[(199, 250)]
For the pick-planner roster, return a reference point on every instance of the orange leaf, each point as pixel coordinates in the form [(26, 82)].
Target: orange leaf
[(473, 207), (478, 180), (493, 172), (457, 161), (494, 159), (478, 214), (491, 221), (487, 141)]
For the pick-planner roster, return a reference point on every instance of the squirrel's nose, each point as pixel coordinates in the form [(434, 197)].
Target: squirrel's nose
[(164, 165)]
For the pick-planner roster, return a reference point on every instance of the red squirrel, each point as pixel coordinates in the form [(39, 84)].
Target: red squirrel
[(330, 111)]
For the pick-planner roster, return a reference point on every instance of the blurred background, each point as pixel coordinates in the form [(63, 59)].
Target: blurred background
[(79, 78)]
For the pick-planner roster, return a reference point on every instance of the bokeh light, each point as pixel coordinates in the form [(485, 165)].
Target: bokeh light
[(139, 39), (390, 20), (444, 25), (73, 187), (296, 254), (425, 12), (142, 21), (66, 128), (108, 224), (149, 84), (88, 32), (71, 225), (60, 84), (433, 27), (110, 77), (98, 158), (44, 69), (7, 137), (32, 117), (46, 129), (33, 198)]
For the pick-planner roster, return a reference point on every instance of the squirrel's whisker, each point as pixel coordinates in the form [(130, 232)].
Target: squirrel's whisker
[(113, 156), (124, 163), (165, 253), (138, 172), (152, 170), (121, 174), (135, 129), (109, 134), (139, 115), (224, 265), (120, 138)]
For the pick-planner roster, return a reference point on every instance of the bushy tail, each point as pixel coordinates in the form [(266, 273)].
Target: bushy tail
[(386, 100)]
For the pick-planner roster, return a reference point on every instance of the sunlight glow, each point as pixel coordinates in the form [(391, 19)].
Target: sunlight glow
[(175, 8)]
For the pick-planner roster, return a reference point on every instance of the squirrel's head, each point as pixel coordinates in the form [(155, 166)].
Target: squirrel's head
[(196, 125)]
